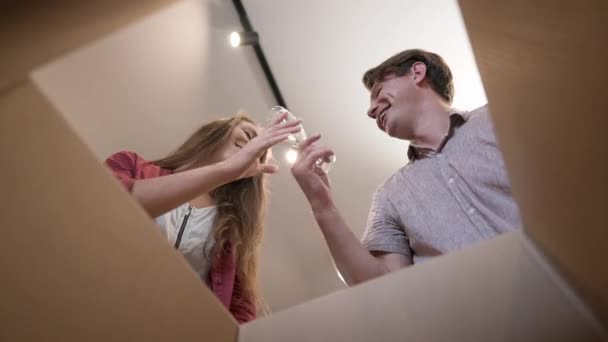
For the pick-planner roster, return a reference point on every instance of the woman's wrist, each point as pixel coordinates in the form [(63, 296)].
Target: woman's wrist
[(226, 170)]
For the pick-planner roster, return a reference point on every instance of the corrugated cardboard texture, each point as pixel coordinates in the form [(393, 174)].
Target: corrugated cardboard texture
[(34, 32), (496, 291), (544, 67), (80, 260)]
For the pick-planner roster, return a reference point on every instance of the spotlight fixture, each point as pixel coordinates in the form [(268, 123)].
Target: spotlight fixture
[(243, 38)]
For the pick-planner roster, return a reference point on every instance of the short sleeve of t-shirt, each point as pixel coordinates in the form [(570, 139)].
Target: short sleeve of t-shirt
[(384, 232)]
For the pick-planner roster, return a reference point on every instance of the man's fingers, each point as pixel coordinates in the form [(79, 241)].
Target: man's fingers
[(321, 153), (307, 146), (304, 145)]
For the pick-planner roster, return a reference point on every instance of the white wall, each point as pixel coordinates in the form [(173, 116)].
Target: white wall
[(150, 85), (146, 87)]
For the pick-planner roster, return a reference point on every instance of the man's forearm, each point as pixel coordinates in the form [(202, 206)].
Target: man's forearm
[(354, 262)]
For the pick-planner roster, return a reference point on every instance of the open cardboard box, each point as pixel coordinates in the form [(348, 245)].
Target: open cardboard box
[(80, 262)]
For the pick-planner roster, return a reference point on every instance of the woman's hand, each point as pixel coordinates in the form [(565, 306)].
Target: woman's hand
[(247, 162)]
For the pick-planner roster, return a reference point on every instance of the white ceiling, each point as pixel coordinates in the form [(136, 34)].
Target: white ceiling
[(146, 87)]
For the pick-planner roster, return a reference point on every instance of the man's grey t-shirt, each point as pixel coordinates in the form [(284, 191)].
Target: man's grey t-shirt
[(444, 201)]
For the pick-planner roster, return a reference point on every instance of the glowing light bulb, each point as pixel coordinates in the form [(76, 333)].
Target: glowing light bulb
[(291, 156), (297, 138), (235, 39)]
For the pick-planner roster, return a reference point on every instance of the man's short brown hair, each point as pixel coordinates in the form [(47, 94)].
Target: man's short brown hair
[(438, 73)]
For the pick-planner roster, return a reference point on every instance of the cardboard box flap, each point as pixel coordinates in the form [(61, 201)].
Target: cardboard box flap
[(80, 260), (543, 65), (499, 290), (35, 32)]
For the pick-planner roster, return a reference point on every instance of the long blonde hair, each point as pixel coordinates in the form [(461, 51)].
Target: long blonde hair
[(241, 204)]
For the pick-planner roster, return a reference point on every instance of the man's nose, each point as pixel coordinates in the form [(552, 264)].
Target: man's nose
[(372, 110)]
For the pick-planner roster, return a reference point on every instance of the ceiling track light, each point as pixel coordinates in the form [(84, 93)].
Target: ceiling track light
[(243, 38), (249, 37)]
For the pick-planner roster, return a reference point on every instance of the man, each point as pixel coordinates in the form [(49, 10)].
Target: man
[(453, 192)]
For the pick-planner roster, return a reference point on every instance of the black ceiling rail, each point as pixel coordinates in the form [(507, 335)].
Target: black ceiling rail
[(259, 53)]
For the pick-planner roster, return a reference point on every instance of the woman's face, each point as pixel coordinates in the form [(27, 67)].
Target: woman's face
[(239, 137)]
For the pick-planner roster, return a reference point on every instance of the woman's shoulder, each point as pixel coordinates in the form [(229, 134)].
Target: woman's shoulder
[(124, 157), (137, 165), (125, 160)]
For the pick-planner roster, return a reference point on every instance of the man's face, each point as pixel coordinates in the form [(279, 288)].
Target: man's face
[(392, 100)]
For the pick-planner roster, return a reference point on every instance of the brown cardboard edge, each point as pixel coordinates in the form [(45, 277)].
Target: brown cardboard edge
[(496, 290), (72, 213), (522, 49), (34, 32)]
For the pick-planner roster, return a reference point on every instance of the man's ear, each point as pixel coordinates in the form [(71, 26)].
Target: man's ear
[(418, 72)]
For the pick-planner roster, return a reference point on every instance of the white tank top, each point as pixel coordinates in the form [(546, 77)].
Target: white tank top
[(187, 229)]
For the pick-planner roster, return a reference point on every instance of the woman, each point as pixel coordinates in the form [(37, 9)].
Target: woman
[(208, 197)]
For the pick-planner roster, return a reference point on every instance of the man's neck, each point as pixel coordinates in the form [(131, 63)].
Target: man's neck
[(433, 125)]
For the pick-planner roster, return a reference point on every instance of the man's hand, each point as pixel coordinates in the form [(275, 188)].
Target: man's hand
[(247, 162), (311, 178)]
